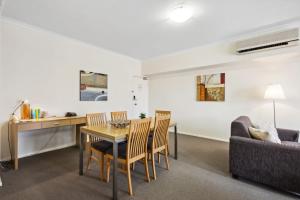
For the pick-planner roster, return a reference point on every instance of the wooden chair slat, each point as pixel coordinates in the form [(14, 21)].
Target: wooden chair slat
[(120, 115)]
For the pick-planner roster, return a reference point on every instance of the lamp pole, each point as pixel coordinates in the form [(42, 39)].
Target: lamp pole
[(273, 93), (274, 110)]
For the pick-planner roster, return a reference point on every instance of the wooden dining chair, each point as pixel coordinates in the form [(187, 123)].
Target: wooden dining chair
[(120, 115), (134, 150), (163, 113), (98, 147), (158, 142)]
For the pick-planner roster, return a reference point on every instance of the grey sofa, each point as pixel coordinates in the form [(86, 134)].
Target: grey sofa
[(276, 165)]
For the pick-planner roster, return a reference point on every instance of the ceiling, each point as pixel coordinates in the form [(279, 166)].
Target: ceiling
[(141, 29)]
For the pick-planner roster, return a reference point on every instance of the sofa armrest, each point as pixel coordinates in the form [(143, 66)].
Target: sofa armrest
[(288, 135)]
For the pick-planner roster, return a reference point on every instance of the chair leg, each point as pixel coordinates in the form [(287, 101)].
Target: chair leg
[(168, 139), (158, 157), (166, 158), (133, 166), (149, 156), (168, 149), (107, 170), (101, 166), (129, 180), (153, 166), (147, 169), (89, 160)]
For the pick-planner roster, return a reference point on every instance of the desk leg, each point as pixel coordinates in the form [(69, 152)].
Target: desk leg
[(77, 127), (175, 141), (81, 139), (115, 171), (14, 145)]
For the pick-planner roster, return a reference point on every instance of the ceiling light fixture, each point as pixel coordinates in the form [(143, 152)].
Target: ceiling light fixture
[(181, 14)]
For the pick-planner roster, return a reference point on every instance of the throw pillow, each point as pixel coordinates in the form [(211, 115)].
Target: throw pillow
[(274, 134), (265, 135), (258, 134)]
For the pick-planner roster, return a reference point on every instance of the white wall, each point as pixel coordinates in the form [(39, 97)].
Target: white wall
[(206, 55), (43, 67), (245, 85), (1, 85)]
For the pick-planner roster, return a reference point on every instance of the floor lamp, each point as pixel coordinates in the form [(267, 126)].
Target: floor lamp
[(274, 92)]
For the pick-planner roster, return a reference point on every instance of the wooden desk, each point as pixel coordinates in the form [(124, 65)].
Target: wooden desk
[(29, 125), (115, 136)]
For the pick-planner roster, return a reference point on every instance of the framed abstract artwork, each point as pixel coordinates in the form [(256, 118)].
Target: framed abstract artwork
[(93, 86), (211, 87)]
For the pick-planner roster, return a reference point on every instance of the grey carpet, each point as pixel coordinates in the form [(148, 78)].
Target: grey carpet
[(200, 173)]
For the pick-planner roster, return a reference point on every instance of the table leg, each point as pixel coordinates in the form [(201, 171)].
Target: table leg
[(115, 173), (175, 141), (77, 130), (81, 139)]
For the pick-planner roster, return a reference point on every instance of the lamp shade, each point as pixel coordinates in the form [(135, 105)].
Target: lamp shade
[(274, 91)]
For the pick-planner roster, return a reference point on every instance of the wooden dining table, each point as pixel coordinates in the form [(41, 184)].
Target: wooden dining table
[(115, 136)]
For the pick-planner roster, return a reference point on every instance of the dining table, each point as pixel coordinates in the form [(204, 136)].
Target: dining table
[(115, 136)]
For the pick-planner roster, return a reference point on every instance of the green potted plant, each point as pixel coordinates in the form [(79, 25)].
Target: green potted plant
[(143, 115)]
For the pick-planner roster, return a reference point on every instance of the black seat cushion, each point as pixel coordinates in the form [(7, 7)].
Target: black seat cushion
[(121, 150), (149, 144), (102, 146)]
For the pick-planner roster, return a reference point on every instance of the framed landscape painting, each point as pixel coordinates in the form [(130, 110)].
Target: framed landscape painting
[(93, 86), (211, 87)]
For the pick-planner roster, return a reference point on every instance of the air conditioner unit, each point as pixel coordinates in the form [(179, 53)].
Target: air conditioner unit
[(267, 42)]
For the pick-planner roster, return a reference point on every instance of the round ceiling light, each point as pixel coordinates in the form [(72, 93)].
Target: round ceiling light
[(181, 14)]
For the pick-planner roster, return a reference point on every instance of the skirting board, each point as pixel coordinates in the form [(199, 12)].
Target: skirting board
[(201, 136), (42, 151)]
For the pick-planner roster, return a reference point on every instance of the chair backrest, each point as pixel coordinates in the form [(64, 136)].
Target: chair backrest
[(162, 112), (121, 115), (240, 127), (138, 138), (96, 119), (160, 133)]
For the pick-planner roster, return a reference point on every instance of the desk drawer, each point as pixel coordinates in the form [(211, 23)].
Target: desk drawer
[(29, 126), (81, 120), (56, 123)]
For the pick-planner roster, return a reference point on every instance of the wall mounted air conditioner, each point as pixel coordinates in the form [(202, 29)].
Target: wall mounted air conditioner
[(267, 42)]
